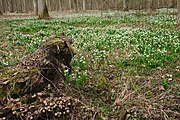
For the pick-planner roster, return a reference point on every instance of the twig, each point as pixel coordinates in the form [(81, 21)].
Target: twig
[(94, 116)]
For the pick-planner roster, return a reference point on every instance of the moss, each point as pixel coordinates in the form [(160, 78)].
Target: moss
[(56, 41), (73, 51), (32, 72), (15, 90), (13, 76), (24, 99), (6, 72), (2, 92), (102, 83), (16, 77)]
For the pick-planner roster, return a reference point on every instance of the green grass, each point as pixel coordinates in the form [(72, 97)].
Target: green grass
[(113, 55)]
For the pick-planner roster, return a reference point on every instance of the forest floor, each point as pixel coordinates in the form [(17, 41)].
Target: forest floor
[(127, 64)]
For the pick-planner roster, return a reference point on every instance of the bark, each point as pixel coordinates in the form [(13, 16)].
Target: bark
[(150, 7), (30, 6), (42, 9), (76, 5), (24, 8), (19, 6), (84, 5), (11, 7), (91, 5), (15, 6), (60, 5), (178, 7), (35, 4), (57, 5), (125, 5), (1, 8), (49, 5)]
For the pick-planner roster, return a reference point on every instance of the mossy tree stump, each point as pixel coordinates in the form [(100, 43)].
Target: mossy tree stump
[(34, 73)]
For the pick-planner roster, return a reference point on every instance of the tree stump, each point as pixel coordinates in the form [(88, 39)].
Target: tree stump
[(34, 73)]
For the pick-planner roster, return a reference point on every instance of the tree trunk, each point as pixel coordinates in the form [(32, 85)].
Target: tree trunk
[(1, 7), (178, 7), (24, 6), (60, 5), (78, 7), (70, 5), (125, 5), (57, 5), (35, 4), (42, 9), (150, 7), (19, 6), (84, 5), (11, 7)]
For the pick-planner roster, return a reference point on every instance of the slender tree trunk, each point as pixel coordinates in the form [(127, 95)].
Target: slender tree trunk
[(150, 7), (61, 6), (19, 6), (35, 4), (70, 5), (91, 4), (1, 8), (29, 6), (11, 7), (125, 5), (15, 6), (8, 5), (84, 5), (56, 5), (5, 4), (42, 9), (178, 7), (26, 10), (76, 5)]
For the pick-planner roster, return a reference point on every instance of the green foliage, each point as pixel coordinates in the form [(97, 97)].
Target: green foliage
[(165, 83), (147, 48), (100, 42)]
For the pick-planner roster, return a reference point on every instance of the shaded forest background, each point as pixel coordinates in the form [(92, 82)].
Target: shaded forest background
[(28, 6)]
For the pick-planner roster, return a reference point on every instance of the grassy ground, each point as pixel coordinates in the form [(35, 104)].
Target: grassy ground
[(127, 66)]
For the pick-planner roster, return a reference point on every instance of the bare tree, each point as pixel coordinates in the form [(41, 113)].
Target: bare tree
[(42, 9), (178, 7), (125, 5)]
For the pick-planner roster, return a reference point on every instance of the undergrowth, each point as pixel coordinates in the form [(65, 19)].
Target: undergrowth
[(125, 66)]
